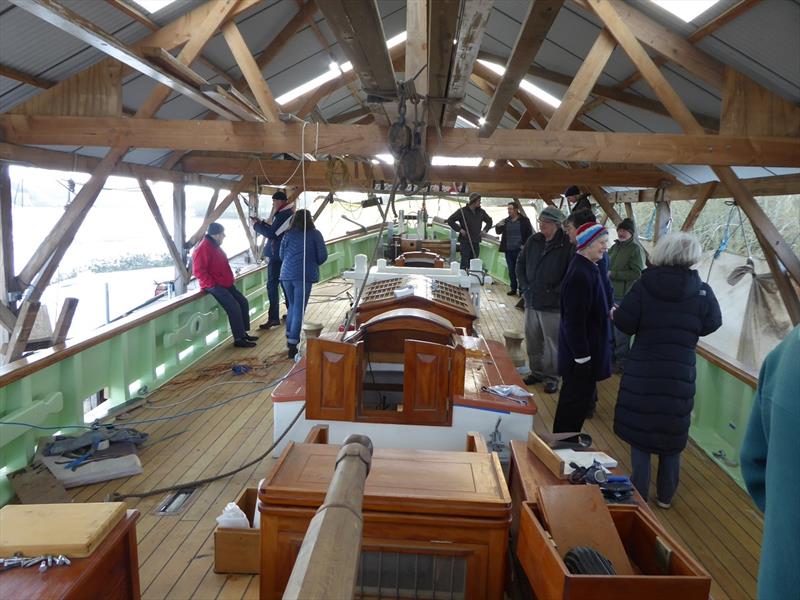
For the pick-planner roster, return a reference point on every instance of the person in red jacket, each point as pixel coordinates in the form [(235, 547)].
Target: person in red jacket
[(210, 266)]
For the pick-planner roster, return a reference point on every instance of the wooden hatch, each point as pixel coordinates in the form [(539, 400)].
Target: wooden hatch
[(417, 292), (466, 484)]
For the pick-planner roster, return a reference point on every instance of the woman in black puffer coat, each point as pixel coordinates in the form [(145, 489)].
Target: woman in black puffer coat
[(667, 310)]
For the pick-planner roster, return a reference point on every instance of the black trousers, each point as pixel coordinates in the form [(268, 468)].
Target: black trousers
[(237, 307), (468, 252), (578, 395)]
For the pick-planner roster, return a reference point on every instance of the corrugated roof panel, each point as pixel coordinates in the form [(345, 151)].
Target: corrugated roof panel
[(764, 44)]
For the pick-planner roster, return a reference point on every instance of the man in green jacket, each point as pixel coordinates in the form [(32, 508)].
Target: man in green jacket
[(626, 263), (769, 468)]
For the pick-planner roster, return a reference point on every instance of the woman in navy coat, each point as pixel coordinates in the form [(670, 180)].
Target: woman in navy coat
[(584, 336), (667, 310)]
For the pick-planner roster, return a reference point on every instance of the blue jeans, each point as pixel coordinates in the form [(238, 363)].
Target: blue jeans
[(293, 288), (511, 262), (273, 276)]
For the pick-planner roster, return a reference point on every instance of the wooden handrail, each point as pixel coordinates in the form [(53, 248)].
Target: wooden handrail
[(728, 364), (327, 564), (25, 366)]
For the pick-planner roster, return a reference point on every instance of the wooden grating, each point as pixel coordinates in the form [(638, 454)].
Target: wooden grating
[(711, 515)]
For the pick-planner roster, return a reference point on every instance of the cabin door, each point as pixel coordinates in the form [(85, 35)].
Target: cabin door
[(333, 379), (426, 383)]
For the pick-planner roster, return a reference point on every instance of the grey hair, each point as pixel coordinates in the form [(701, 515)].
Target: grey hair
[(676, 250)]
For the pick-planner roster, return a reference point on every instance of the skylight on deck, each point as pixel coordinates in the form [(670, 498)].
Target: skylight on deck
[(153, 6), (685, 10)]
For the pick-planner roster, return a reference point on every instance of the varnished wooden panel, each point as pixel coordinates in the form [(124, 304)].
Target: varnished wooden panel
[(333, 383), (749, 109), (426, 386), (414, 481)]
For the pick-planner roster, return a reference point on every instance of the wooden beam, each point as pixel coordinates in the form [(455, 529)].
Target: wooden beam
[(783, 282), (211, 205), (142, 18), (179, 235), (473, 17), (250, 70), (367, 140), (443, 28), (169, 63), (629, 212), (11, 73), (729, 15), (64, 321), (702, 197), (776, 185), (87, 32), (602, 200), (772, 238), (227, 96), (176, 255), (247, 228), (7, 318), (71, 161), (8, 282), (590, 70), (216, 213), (48, 255), (604, 93), (358, 28), (535, 25), (750, 109), (22, 331), (282, 170), (666, 42)]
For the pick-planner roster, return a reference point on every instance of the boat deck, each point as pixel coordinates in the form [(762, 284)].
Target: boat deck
[(711, 515)]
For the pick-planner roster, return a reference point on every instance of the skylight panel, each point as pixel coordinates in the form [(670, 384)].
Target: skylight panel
[(686, 10), (456, 161), (333, 72), (462, 120), (153, 6), (532, 89)]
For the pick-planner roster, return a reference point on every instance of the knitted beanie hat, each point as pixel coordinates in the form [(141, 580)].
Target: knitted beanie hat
[(587, 233), (214, 229), (627, 224), (572, 190), (551, 213)]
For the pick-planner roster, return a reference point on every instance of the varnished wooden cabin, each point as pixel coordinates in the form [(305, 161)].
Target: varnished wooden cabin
[(643, 108)]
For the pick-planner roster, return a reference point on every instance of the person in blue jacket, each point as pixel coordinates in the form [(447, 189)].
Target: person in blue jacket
[(273, 229), (769, 468), (302, 251), (667, 310)]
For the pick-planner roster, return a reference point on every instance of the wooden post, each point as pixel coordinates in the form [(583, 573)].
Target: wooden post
[(327, 564), (64, 321), (8, 282), (22, 331), (176, 254), (248, 231), (700, 202), (629, 212), (179, 234)]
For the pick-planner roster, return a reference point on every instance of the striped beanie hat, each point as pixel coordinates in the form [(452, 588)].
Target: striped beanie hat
[(587, 233)]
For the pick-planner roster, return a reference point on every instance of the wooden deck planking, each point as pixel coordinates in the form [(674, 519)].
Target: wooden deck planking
[(711, 515)]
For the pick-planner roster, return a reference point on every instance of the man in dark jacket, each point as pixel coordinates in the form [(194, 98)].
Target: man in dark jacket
[(273, 229), (584, 337), (540, 268), (667, 310), (575, 200), (210, 266), (514, 232), (626, 263), (467, 222)]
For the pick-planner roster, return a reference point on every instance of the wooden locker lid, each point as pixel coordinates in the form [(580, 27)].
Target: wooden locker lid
[(74, 530), (464, 484)]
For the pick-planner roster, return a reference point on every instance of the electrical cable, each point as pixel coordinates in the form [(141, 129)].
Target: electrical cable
[(117, 497)]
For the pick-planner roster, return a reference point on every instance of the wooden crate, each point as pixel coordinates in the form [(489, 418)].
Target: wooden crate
[(239, 550), (664, 570)]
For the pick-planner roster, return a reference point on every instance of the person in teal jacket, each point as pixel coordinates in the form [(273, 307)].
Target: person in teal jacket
[(770, 468)]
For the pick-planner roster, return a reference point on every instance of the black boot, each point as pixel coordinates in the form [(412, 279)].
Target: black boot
[(292, 350), (244, 343)]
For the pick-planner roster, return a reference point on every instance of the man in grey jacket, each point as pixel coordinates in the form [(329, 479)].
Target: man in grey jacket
[(540, 269)]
